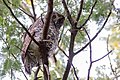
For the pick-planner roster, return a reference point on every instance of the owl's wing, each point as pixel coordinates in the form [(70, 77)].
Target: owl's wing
[(27, 39)]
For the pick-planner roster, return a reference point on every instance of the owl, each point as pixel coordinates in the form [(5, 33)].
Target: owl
[(31, 55)]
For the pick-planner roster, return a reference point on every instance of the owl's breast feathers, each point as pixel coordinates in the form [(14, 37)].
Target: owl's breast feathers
[(31, 55), (27, 39)]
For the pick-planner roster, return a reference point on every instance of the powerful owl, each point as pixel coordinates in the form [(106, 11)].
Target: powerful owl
[(31, 55)]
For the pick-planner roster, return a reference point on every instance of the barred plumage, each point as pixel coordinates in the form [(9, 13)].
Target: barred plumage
[(31, 55)]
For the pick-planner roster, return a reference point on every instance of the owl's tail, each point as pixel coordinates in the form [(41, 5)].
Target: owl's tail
[(29, 63)]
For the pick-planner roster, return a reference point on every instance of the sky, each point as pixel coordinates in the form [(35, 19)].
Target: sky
[(81, 61)]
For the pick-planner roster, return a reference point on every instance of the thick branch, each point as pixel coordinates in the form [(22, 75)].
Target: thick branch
[(71, 63), (72, 39), (47, 18), (43, 48), (71, 54)]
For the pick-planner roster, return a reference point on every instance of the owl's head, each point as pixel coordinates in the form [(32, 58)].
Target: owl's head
[(57, 19)]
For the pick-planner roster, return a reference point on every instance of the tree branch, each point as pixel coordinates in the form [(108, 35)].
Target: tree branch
[(72, 64), (95, 34), (22, 9), (102, 57), (89, 15), (68, 13), (111, 66), (8, 47), (33, 8), (26, 13), (61, 35), (63, 52), (43, 48), (47, 18), (20, 23), (72, 39), (90, 47), (36, 73), (80, 11), (75, 72)]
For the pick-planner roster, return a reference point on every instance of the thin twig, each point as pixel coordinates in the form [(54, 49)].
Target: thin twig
[(26, 13), (95, 34), (21, 10), (68, 13), (89, 15), (75, 72), (80, 11), (113, 71), (20, 23), (90, 47), (63, 51), (36, 73), (102, 57), (33, 8), (8, 47), (61, 35)]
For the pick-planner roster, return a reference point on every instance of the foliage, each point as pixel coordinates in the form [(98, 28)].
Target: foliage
[(11, 31)]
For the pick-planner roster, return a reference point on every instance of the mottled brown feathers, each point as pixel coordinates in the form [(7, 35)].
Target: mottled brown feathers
[(31, 55)]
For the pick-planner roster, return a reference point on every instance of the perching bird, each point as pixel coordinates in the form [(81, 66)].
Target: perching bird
[(31, 55)]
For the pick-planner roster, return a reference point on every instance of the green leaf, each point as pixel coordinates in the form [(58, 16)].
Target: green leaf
[(16, 65), (80, 37), (7, 64), (16, 2)]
